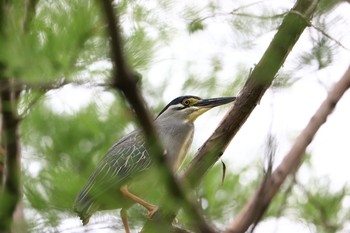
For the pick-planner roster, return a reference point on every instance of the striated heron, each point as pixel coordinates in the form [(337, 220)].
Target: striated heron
[(128, 162)]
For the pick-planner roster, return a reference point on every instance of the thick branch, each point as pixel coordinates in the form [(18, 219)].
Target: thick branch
[(291, 162), (258, 82), (124, 79), (10, 189), (10, 192)]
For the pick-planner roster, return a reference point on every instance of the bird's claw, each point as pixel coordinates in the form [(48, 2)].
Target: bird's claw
[(151, 211)]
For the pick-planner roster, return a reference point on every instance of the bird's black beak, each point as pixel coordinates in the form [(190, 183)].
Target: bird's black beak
[(210, 103)]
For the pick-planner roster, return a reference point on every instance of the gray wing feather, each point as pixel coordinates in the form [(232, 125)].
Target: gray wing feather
[(126, 158)]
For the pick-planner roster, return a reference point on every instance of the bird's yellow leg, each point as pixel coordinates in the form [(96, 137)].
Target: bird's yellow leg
[(151, 208), (124, 215)]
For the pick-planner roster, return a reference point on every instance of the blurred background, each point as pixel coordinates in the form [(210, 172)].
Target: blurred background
[(60, 56)]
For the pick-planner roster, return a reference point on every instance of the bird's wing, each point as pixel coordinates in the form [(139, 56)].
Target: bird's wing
[(126, 158)]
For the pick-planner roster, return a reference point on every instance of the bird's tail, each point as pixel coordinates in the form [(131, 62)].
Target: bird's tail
[(85, 206)]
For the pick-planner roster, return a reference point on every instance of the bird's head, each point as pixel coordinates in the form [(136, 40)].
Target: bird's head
[(188, 108)]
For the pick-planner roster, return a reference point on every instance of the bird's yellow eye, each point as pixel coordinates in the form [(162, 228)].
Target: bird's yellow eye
[(186, 102)]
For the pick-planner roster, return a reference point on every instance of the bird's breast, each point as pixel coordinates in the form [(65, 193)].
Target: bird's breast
[(177, 139)]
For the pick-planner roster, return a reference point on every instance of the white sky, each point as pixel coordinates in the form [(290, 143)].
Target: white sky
[(286, 112)]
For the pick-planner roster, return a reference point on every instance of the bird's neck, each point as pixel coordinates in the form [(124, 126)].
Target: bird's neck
[(177, 139)]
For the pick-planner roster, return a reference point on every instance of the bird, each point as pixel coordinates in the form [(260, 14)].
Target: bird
[(127, 163)]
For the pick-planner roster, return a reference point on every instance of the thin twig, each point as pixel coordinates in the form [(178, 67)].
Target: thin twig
[(29, 106), (329, 36), (47, 86), (270, 157), (322, 31), (234, 13)]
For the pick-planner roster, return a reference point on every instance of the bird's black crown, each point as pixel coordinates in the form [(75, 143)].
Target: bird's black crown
[(176, 101)]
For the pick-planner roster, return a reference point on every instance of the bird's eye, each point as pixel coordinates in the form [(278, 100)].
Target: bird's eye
[(186, 102)]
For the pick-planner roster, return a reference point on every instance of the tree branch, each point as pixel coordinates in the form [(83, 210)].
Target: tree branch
[(124, 80), (11, 208), (234, 12), (319, 29), (258, 82), (291, 162), (10, 193)]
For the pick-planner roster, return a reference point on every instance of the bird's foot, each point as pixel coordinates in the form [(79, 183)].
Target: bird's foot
[(151, 211)]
